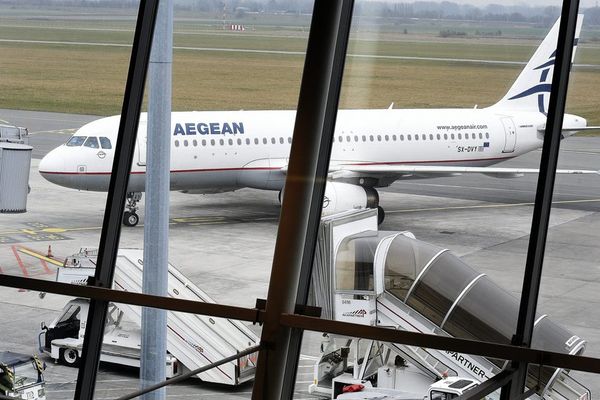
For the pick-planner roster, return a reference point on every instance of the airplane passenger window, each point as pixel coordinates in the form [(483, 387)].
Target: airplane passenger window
[(416, 137), (445, 136), (473, 136), (379, 138), (340, 138), (281, 141), (387, 138), (195, 142), (364, 138), (439, 137), (273, 140), (177, 143), (402, 138), (76, 141), (480, 135), (394, 138), (185, 143), (239, 141), (371, 138), (431, 136), (290, 140), (452, 136), (221, 142), (92, 142), (247, 141), (230, 142), (409, 137), (212, 142), (356, 138), (459, 136), (348, 138), (203, 142), (487, 135), (424, 137), (105, 142), (264, 140), (255, 141)]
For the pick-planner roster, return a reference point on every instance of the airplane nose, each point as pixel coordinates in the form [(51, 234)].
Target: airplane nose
[(52, 166)]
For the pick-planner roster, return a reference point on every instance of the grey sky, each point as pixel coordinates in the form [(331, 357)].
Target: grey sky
[(583, 3)]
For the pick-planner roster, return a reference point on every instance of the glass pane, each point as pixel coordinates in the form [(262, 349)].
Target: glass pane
[(445, 100), (441, 287), (569, 289), (354, 262)]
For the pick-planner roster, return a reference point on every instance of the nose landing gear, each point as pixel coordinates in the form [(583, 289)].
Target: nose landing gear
[(130, 217)]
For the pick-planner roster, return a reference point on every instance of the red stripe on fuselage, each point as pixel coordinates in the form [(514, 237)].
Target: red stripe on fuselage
[(278, 168)]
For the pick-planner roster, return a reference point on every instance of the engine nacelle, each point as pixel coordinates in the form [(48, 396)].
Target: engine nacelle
[(345, 196)]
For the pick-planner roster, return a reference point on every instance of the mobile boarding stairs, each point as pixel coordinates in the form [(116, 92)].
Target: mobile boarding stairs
[(193, 341), (390, 279)]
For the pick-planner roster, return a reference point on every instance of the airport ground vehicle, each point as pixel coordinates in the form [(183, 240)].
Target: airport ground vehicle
[(392, 280), (21, 376), (193, 340)]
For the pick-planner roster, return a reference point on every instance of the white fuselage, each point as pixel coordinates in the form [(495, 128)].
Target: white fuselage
[(224, 150)]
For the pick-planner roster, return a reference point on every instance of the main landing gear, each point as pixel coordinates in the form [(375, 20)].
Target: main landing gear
[(130, 217)]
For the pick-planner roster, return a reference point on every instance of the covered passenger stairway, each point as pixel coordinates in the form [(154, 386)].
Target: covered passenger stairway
[(391, 279)]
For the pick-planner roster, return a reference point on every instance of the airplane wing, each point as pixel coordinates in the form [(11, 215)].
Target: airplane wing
[(427, 170)]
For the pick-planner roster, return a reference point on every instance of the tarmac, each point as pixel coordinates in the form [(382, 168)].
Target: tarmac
[(224, 243)]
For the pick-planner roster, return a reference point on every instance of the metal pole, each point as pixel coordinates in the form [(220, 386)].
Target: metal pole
[(156, 227), (307, 173), (308, 257), (115, 203), (545, 188)]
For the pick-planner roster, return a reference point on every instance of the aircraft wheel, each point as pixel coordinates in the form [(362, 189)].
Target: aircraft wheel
[(130, 218), (380, 215), (69, 357)]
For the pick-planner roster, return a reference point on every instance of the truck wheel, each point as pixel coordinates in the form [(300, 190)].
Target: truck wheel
[(69, 357)]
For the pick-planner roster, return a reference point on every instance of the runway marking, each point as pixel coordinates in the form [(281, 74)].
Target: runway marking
[(39, 256), (594, 153), (197, 219), (68, 131), (492, 189), (291, 53), (497, 205), (20, 262), (47, 270)]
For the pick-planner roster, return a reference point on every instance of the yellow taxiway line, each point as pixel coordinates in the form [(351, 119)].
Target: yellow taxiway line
[(39, 256)]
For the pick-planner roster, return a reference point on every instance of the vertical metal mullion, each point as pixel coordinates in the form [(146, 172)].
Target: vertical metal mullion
[(306, 178), (335, 86), (117, 192), (545, 188)]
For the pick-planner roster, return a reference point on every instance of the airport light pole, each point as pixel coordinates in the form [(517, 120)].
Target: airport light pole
[(156, 226)]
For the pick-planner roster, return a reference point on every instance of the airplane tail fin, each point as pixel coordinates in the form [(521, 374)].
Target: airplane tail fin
[(531, 90)]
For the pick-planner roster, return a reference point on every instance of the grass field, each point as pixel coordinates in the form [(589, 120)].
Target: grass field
[(76, 77)]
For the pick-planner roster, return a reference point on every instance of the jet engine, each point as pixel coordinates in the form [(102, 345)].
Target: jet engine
[(345, 196)]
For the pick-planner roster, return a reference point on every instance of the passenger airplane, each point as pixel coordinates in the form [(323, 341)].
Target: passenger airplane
[(227, 150)]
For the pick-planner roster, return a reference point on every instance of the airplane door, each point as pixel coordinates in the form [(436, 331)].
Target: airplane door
[(141, 145), (510, 135)]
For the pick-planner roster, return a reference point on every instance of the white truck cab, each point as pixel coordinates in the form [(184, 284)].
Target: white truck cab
[(449, 388)]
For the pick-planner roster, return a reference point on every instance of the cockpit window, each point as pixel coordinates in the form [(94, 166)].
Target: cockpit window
[(105, 142), (76, 141), (92, 142)]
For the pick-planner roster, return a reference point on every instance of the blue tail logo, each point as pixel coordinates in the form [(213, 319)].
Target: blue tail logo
[(544, 84)]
